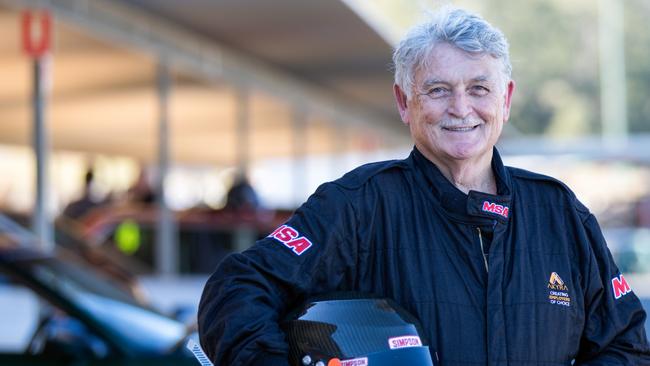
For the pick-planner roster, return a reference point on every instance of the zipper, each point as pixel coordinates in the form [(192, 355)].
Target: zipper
[(480, 238)]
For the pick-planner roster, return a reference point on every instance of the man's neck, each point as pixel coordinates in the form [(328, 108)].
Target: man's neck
[(468, 175)]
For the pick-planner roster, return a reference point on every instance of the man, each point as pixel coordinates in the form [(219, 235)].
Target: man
[(502, 266)]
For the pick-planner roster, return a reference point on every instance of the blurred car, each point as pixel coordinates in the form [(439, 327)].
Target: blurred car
[(57, 311), (68, 236), (205, 236)]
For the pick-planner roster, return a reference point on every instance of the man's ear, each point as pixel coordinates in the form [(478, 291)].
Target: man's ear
[(507, 102), (402, 105)]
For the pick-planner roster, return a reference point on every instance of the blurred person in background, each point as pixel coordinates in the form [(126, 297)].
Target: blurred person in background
[(142, 191), (241, 195), (502, 266), (77, 209)]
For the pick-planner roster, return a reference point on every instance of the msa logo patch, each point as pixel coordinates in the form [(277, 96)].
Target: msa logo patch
[(620, 287), (495, 209), (403, 342), (363, 361), (558, 291), (291, 239)]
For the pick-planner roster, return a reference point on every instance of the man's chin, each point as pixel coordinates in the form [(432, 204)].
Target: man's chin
[(468, 152)]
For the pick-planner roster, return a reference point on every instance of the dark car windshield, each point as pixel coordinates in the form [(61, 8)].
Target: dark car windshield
[(109, 306)]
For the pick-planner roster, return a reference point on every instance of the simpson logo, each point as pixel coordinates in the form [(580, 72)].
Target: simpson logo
[(495, 209), (363, 361), (403, 342), (558, 291), (620, 287), (291, 239)]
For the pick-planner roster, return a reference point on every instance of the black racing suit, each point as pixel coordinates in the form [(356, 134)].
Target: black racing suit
[(523, 277)]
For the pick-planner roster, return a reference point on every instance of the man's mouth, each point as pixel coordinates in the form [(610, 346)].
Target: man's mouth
[(460, 128)]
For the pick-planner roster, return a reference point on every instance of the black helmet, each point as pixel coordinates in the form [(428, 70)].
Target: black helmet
[(349, 330)]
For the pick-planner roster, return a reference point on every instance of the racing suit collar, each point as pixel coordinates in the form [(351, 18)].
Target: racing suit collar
[(475, 204)]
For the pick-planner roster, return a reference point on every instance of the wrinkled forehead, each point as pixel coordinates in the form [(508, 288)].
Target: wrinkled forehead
[(449, 63)]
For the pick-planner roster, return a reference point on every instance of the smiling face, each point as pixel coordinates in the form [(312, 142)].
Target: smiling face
[(458, 105)]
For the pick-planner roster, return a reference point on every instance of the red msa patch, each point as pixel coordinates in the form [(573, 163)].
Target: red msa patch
[(291, 239), (495, 209), (620, 287), (403, 342)]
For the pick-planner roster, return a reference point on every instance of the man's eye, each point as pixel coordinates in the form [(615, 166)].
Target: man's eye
[(479, 90), (437, 91)]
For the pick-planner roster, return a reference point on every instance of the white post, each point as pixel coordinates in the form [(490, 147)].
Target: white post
[(167, 255), (613, 99), (243, 129), (299, 143), (41, 222)]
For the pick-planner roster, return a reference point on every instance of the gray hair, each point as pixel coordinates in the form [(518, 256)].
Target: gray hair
[(460, 28)]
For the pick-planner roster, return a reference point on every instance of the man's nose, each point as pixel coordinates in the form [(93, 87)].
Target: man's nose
[(459, 105)]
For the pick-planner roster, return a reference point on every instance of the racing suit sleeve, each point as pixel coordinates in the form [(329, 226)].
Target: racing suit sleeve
[(614, 331), (249, 293)]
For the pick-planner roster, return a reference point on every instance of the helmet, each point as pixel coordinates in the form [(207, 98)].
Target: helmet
[(350, 330)]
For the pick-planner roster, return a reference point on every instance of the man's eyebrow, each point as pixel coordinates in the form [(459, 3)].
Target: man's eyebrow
[(433, 81), (429, 82), (481, 78)]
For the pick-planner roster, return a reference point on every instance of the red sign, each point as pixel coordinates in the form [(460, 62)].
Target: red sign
[(36, 32)]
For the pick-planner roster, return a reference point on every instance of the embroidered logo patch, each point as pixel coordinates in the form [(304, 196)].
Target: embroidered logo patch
[(363, 361), (558, 291), (404, 341), (495, 209), (620, 287), (291, 239)]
